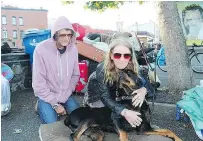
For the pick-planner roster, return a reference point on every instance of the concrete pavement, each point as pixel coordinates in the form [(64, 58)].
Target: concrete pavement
[(23, 116)]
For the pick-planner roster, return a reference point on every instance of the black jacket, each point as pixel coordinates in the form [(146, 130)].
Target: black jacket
[(97, 90)]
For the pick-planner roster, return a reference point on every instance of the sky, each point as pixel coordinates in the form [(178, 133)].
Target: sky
[(130, 13)]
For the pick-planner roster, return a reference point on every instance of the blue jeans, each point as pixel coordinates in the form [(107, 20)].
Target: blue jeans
[(48, 115)]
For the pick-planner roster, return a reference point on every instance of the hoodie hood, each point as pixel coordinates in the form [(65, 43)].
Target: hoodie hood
[(63, 23)]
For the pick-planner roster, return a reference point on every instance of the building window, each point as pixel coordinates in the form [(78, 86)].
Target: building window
[(21, 34), (5, 34), (13, 20), (3, 18), (14, 34), (21, 21), (14, 43)]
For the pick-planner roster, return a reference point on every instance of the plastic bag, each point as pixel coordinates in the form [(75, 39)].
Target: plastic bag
[(5, 96)]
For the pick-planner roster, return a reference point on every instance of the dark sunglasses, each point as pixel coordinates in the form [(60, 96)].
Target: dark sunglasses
[(118, 56), (64, 35)]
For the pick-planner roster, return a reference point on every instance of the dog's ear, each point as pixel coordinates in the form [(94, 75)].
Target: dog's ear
[(127, 80), (126, 83)]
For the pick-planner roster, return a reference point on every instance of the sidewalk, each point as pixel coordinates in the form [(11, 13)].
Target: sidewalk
[(162, 96), (163, 116), (23, 116)]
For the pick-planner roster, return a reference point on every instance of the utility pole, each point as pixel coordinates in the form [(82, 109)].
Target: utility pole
[(136, 24), (119, 24)]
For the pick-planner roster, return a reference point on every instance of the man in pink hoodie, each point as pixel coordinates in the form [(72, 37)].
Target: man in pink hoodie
[(56, 72)]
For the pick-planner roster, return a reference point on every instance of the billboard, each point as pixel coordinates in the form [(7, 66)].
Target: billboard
[(191, 15)]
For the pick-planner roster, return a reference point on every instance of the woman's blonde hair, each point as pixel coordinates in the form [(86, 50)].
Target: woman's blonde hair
[(110, 73)]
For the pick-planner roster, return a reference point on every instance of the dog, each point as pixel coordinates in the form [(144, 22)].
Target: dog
[(93, 121)]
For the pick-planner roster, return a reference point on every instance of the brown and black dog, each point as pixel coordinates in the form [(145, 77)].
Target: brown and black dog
[(93, 121)]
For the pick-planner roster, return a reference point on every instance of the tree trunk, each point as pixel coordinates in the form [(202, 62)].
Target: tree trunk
[(180, 75)]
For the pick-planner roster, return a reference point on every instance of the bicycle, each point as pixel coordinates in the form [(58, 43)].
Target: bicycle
[(196, 60), (161, 62)]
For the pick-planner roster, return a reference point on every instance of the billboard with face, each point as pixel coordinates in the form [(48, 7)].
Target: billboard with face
[(191, 15)]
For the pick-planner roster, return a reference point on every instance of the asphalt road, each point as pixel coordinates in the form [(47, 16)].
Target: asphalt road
[(163, 76)]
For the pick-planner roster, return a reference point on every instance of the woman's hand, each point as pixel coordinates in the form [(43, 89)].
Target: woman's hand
[(132, 117), (139, 98)]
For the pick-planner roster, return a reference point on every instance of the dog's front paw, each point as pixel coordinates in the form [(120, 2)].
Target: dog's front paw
[(123, 136)]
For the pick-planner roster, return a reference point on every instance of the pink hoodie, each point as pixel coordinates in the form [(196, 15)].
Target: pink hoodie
[(55, 75)]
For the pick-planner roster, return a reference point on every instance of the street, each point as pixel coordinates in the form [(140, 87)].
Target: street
[(163, 76)]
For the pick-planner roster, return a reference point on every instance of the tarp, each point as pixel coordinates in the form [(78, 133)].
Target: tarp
[(80, 31), (192, 104)]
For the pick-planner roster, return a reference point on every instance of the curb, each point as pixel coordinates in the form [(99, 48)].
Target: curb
[(163, 104)]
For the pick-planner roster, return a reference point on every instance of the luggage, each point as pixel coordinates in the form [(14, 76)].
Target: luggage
[(83, 66), (90, 51)]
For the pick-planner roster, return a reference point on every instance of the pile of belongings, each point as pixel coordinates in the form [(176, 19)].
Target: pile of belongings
[(5, 48), (80, 31), (192, 104), (101, 40), (95, 39), (6, 76)]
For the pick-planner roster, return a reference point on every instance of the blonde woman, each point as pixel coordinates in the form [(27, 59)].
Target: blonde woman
[(104, 90), (119, 58)]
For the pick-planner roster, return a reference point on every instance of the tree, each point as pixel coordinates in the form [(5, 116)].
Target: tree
[(178, 65), (100, 6), (177, 60)]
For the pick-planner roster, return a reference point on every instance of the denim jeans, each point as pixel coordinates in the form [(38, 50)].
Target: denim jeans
[(48, 115)]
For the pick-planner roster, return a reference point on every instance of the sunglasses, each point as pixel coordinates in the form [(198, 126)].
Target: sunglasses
[(64, 35), (118, 56)]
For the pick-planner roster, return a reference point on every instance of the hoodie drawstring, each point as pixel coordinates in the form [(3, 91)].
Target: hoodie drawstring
[(57, 63), (67, 62)]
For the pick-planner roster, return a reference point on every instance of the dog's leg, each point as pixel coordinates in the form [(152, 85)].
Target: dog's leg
[(95, 134), (123, 136), (99, 136), (164, 132), (81, 129)]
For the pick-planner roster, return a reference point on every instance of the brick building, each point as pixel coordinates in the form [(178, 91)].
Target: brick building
[(14, 21)]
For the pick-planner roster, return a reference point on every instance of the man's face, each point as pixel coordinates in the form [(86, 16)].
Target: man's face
[(64, 37), (193, 19)]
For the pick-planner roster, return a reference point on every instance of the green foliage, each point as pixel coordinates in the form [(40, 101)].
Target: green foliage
[(66, 2), (101, 6), (141, 2)]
